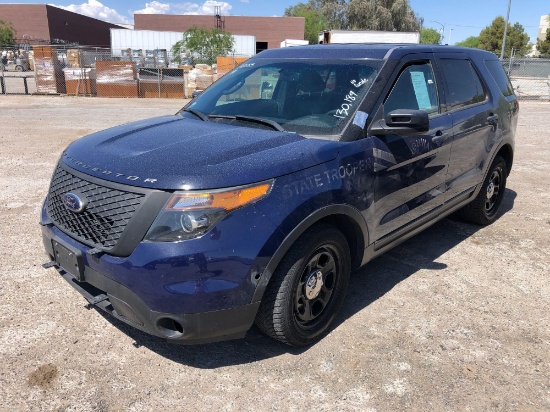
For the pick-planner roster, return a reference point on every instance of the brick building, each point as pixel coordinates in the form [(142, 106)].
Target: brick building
[(38, 24), (269, 31), (44, 24)]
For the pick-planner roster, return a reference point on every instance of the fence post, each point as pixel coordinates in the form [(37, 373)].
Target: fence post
[(2, 84), (158, 78), (510, 62)]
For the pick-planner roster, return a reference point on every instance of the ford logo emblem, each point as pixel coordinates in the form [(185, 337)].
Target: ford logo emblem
[(74, 202)]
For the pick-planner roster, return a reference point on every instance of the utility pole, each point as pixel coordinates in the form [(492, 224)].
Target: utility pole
[(442, 32), (505, 30)]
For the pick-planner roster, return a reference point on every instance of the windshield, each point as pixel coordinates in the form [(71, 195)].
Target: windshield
[(309, 97)]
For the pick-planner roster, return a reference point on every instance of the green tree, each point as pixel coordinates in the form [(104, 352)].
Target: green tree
[(471, 42), (544, 46), (333, 12), (491, 36), (429, 36), (390, 15), (203, 45), (7, 34), (314, 20)]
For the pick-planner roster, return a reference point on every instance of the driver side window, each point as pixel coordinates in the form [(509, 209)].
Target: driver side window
[(415, 89)]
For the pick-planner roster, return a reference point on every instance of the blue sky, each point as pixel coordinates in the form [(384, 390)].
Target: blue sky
[(464, 17)]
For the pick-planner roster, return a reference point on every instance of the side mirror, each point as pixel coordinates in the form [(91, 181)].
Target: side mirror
[(402, 121)]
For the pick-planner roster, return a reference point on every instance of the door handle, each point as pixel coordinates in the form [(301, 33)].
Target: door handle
[(440, 137), (492, 119)]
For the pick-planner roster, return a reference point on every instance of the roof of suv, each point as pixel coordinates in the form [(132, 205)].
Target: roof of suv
[(364, 51)]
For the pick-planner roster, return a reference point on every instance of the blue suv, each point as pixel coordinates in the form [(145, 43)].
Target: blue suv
[(255, 202)]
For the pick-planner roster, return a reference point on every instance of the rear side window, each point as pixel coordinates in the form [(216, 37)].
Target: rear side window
[(495, 67), (464, 87)]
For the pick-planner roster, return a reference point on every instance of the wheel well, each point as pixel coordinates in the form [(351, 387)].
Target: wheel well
[(353, 234), (506, 153)]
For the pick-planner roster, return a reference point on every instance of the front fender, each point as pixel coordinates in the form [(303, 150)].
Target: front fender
[(335, 210)]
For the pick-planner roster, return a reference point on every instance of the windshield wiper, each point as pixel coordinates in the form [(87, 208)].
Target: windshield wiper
[(200, 115), (251, 119)]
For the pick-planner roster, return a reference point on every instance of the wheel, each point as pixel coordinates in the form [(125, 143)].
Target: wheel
[(307, 289), (18, 68), (484, 209)]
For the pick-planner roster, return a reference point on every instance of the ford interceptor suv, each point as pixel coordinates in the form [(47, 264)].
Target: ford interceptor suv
[(255, 202)]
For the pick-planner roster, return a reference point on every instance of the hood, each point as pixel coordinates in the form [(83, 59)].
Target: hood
[(178, 153)]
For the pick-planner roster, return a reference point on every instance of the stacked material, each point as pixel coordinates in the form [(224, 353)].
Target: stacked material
[(163, 83), (80, 80), (75, 58), (226, 64), (199, 78), (116, 79), (48, 72)]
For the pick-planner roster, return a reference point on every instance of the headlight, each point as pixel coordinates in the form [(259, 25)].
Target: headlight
[(188, 215)]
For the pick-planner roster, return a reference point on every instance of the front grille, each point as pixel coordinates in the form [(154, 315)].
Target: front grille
[(105, 217)]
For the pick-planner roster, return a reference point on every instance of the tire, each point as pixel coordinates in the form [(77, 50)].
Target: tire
[(18, 68), (485, 208), (307, 289)]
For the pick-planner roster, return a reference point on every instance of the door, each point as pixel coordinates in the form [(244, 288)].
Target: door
[(474, 117), (410, 170)]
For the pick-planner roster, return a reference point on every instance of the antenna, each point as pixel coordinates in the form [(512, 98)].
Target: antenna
[(220, 23)]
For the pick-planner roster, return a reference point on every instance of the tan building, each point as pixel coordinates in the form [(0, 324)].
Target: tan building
[(269, 31), (544, 24)]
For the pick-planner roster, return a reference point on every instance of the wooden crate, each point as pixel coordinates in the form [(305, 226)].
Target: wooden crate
[(48, 73), (126, 89), (168, 89), (86, 86), (226, 64)]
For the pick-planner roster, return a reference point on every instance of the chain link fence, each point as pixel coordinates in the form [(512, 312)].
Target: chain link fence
[(92, 71), (530, 77)]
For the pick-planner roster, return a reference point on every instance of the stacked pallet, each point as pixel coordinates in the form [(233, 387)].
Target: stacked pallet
[(80, 81), (161, 83), (116, 79), (48, 72)]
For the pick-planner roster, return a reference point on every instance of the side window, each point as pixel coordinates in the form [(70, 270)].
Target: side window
[(463, 84), (497, 71), (414, 89)]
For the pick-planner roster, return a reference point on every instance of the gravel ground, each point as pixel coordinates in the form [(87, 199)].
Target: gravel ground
[(457, 318)]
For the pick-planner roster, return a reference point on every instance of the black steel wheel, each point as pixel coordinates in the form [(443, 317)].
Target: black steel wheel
[(307, 289), (485, 208), (18, 68)]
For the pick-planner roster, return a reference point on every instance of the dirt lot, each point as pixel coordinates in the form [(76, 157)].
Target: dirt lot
[(455, 319)]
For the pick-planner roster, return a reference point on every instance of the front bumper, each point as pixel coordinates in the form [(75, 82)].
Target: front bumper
[(119, 301)]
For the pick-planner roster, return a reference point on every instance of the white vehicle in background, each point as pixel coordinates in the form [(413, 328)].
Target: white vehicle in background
[(368, 36), (294, 42)]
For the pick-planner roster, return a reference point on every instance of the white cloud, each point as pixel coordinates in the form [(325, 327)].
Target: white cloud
[(208, 8), (155, 7), (97, 10)]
